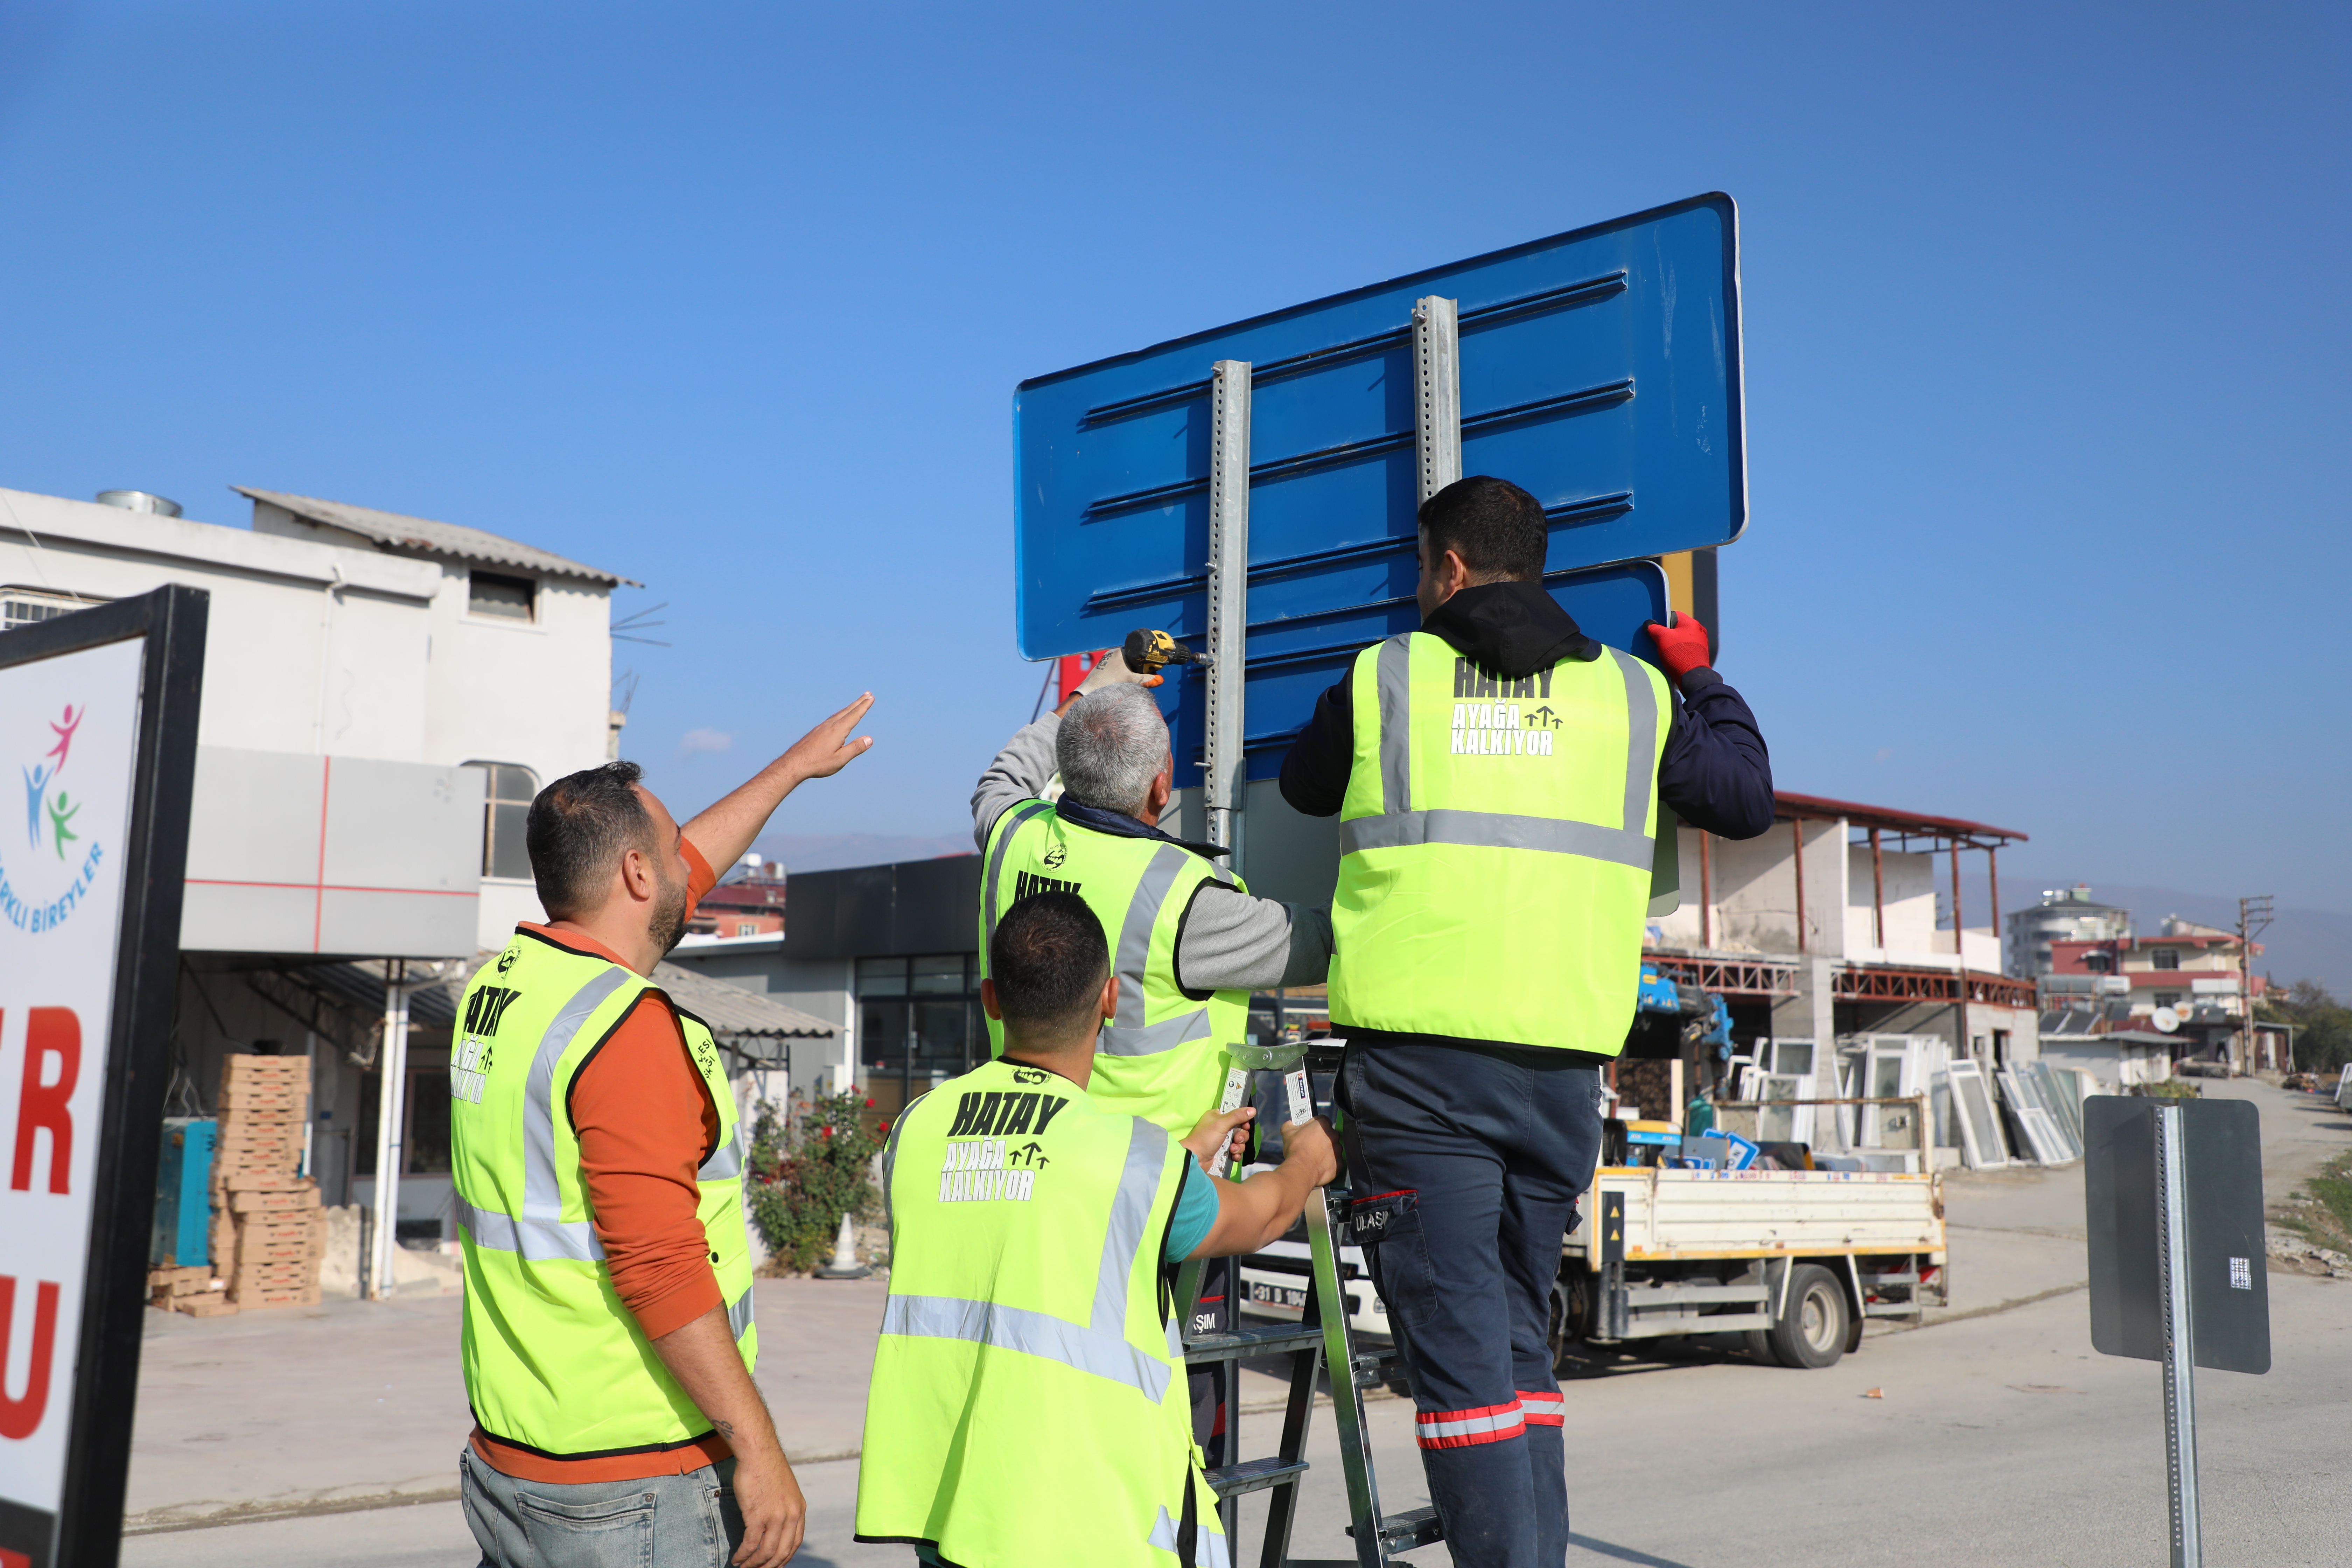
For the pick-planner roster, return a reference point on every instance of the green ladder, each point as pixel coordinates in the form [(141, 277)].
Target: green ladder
[(1320, 1339)]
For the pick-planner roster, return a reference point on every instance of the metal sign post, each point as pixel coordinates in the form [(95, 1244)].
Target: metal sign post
[(1437, 370), (1229, 462), (2180, 1335), (2173, 1200)]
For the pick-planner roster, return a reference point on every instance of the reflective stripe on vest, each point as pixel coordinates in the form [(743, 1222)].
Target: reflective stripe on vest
[(725, 1160), (1130, 1036), (1399, 824), (540, 1231), (1099, 1346), (1208, 1546)]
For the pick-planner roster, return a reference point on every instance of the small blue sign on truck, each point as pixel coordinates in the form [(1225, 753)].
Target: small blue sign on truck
[(1599, 370)]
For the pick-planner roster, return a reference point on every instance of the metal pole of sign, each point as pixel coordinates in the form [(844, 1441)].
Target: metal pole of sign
[(1225, 773), (390, 1104), (2179, 1357), (1437, 365)]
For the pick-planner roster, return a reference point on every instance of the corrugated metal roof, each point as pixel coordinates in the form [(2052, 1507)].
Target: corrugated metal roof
[(1815, 807), (390, 528), (731, 1012)]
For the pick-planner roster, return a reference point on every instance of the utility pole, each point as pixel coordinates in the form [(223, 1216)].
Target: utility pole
[(2254, 919)]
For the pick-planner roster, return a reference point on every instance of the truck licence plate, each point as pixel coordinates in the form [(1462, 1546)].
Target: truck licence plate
[(1278, 1296)]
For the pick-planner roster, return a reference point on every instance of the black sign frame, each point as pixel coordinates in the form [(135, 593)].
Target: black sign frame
[(88, 1529)]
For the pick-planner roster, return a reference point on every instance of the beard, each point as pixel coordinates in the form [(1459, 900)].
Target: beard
[(668, 924)]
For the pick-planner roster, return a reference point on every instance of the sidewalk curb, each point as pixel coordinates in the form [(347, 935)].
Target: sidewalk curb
[(164, 1521)]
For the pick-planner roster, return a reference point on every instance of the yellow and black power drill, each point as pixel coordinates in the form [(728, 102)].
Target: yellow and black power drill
[(1147, 652)]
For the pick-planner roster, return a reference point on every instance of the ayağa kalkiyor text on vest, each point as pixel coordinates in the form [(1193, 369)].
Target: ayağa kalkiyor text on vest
[(1502, 717)]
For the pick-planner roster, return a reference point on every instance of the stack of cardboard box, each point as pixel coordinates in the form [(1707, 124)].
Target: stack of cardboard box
[(268, 1234), (191, 1290)]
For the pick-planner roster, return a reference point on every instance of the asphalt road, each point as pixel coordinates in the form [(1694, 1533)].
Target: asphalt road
[(1996, 1437)]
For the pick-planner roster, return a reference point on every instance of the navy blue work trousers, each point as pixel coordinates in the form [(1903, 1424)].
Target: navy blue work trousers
[(1466, 1162)]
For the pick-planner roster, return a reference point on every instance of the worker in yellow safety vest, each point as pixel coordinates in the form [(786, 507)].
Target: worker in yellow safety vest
[(1027, 1407), (1497, 775), (1188, 942), (598, 1158)]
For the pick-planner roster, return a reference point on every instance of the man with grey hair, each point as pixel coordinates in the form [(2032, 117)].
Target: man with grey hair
[(1189, 942)]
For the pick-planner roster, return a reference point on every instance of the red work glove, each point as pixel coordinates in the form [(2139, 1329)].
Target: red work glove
[(1682, 646)]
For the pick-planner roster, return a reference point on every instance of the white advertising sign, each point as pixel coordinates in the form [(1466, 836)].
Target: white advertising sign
[(69, 747)]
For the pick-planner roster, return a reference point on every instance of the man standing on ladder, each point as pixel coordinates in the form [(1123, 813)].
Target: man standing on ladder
[(1497, 777), (1189, 942), (598, 1162)]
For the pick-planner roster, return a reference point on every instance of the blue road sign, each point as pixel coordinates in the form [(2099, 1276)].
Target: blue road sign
[(1599, 370)]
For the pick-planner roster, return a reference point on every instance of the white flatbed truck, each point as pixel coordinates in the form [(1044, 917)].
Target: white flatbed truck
[(1795, 1260)]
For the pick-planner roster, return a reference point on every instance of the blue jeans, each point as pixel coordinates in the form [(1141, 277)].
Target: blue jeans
[(1468, 1161), (661, 1522)]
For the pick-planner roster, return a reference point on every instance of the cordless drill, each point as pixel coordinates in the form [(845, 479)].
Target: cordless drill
[(1147, 652)]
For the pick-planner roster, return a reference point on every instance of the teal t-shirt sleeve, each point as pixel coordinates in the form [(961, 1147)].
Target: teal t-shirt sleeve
[(1196, 1212)]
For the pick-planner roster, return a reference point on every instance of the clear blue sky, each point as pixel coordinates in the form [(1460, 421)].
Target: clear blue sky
[(2046, 338)]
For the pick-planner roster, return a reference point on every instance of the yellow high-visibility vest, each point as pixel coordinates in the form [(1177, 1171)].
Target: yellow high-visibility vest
[(553, 1360), (1028, 1407), (1495, 847), (1164, 1057)]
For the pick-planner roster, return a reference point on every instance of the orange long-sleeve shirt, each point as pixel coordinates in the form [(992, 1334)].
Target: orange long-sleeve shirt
[(646, 1123)]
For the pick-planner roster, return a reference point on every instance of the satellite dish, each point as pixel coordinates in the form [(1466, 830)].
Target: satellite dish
[(2165, 1020)]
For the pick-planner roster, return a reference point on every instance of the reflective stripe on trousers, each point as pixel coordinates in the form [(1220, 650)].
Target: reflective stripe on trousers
[(1467, 1429), (1398, 824), (1099, 1347)]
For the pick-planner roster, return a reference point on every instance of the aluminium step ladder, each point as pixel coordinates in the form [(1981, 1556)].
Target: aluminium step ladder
[(1319, 1340)]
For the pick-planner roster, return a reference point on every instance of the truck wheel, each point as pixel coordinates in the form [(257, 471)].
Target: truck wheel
[(1812, 1329)]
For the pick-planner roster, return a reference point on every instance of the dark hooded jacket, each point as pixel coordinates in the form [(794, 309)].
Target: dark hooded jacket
[(1715, 774)]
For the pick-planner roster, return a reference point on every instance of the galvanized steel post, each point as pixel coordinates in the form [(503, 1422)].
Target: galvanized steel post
[(1225, 773), (392, 1108), (1437, 365), (2180, 1351)]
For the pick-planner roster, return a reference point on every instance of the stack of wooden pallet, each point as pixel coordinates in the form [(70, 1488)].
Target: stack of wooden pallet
[(191, 1290), (267, 1234)]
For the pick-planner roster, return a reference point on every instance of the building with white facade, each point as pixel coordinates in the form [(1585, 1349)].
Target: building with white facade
[(2063, 914), (2190, 983), (383, 695)]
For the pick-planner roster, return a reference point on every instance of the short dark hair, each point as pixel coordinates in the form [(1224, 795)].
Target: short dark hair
[(579, 828), (1049, 961), (1495, 527)]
